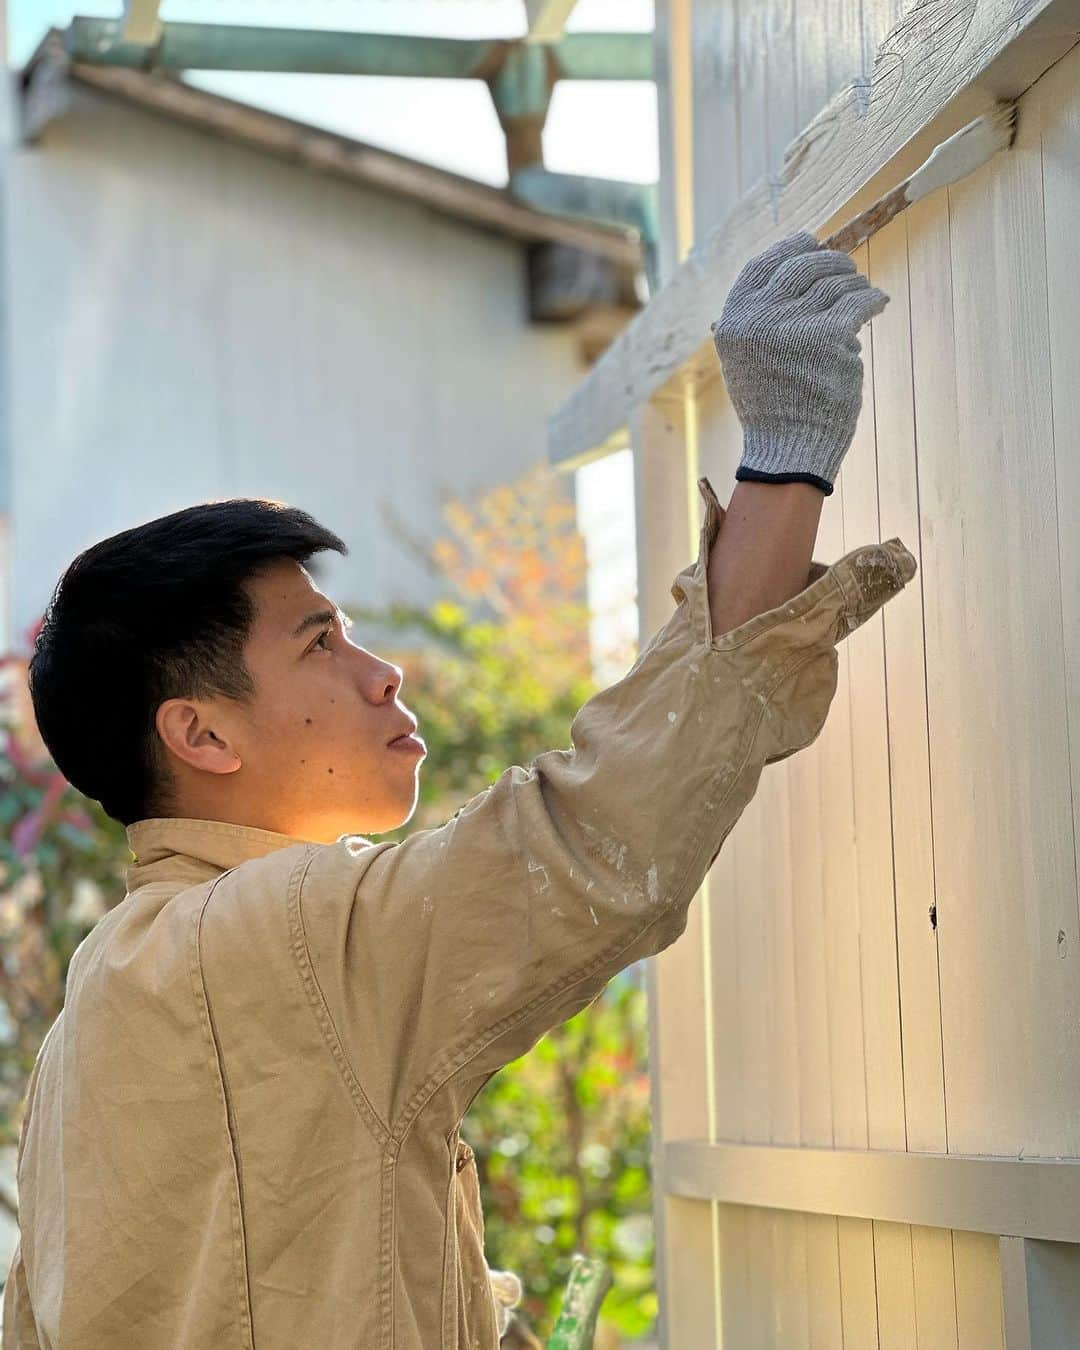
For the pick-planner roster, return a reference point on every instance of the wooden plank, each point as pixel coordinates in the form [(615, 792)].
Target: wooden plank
[(982, 1194), (879, 18), (844, 50), (672, 60), (875, 918), (895, 1286), (978, 1292), (734, 1278), (840, 932), (858, 1283), (947, 60), (909, 753), (935, 1288), (1006, 883), (753, 94), (791, 1311), (718, 181), (679, 1073), (783, 108), (823, 1282), (811, 61), (547, 19), (1059, 120)]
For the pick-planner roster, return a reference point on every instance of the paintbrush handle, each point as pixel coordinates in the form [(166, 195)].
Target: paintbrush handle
[(848, 238)]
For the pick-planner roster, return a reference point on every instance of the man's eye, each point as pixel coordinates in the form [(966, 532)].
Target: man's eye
[(321, 639)]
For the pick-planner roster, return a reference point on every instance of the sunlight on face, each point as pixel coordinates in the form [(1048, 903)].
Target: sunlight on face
[(316, 750)]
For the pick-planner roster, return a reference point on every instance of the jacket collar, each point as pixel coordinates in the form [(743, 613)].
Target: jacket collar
[(191, 851)]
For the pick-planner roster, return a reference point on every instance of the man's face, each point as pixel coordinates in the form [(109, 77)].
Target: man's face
[(315, 738)]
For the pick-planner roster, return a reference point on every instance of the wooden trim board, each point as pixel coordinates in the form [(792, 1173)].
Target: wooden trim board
[(944, 64), (1029, 1198)]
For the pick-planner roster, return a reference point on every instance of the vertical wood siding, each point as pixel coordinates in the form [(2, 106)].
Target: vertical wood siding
[(894, 920)]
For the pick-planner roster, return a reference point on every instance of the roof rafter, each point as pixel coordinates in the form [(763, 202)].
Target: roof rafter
[(141, 21), (547, 19)]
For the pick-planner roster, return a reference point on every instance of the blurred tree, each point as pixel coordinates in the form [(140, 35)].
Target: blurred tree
[(62, 863)]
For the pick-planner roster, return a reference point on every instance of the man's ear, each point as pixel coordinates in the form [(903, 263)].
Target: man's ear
[(186, 729)]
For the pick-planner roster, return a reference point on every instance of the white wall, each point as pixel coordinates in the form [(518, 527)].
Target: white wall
[(191, 319)]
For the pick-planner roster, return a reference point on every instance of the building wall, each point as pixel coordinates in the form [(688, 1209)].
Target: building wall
[(190, 319), (885, 954)]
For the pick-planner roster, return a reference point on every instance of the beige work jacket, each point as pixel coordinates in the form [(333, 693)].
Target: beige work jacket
[(242, 1132)]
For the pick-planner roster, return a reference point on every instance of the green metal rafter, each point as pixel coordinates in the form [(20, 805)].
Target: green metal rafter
[(520, 74)]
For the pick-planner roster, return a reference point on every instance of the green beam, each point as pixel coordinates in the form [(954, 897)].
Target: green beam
[(201, 46), (605, 56), (211, 46)]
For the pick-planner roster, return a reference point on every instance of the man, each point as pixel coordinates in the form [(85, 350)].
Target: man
[(243, 1132)]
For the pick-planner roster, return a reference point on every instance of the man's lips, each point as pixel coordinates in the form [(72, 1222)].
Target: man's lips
[(408, 730), (407, 740)]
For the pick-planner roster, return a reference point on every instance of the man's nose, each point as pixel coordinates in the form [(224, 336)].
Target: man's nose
[(382, 680)]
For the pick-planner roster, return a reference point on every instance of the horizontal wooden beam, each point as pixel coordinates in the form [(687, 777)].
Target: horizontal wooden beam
[(1031, 1198), (945, 63), (547, 18)]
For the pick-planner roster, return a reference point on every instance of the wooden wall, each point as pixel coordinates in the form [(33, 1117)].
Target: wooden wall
[(762, 69), (887, 949)]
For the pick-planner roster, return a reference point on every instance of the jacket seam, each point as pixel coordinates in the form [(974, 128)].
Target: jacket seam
[(246, 1320), (801, 604), (438, 1078), (317, 1002), (379, 1131)]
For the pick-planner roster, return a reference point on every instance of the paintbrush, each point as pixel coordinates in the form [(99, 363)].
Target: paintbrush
[(952, 160)]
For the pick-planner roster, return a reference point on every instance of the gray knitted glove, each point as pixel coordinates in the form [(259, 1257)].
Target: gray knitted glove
[(787, 346)]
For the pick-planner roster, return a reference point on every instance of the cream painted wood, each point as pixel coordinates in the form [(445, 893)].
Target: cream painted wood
[(782, 110), (904, 664), (717, 178), (1059, 120), (968, 377), (895, 1286), (945, 63), (977, 1270), (1037, 1198), (823, 1282), (935, 1288), (686, 1272), (858, 1285), (998, 734), (811, 60)]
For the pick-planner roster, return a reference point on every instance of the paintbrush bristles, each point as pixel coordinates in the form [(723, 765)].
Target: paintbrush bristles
[(965, 151)]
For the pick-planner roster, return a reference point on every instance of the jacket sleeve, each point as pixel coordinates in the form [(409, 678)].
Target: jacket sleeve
[(450, 954)]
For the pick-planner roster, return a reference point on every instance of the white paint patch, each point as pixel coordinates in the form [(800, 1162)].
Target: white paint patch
[(545, 882), (671, 717), (426, 905), (653, 883), (593, 913)]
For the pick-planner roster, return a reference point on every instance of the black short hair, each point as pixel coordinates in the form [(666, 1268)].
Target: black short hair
[(158, 611)]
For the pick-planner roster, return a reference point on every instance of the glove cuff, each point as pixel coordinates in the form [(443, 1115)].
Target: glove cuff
[(781, 456)]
